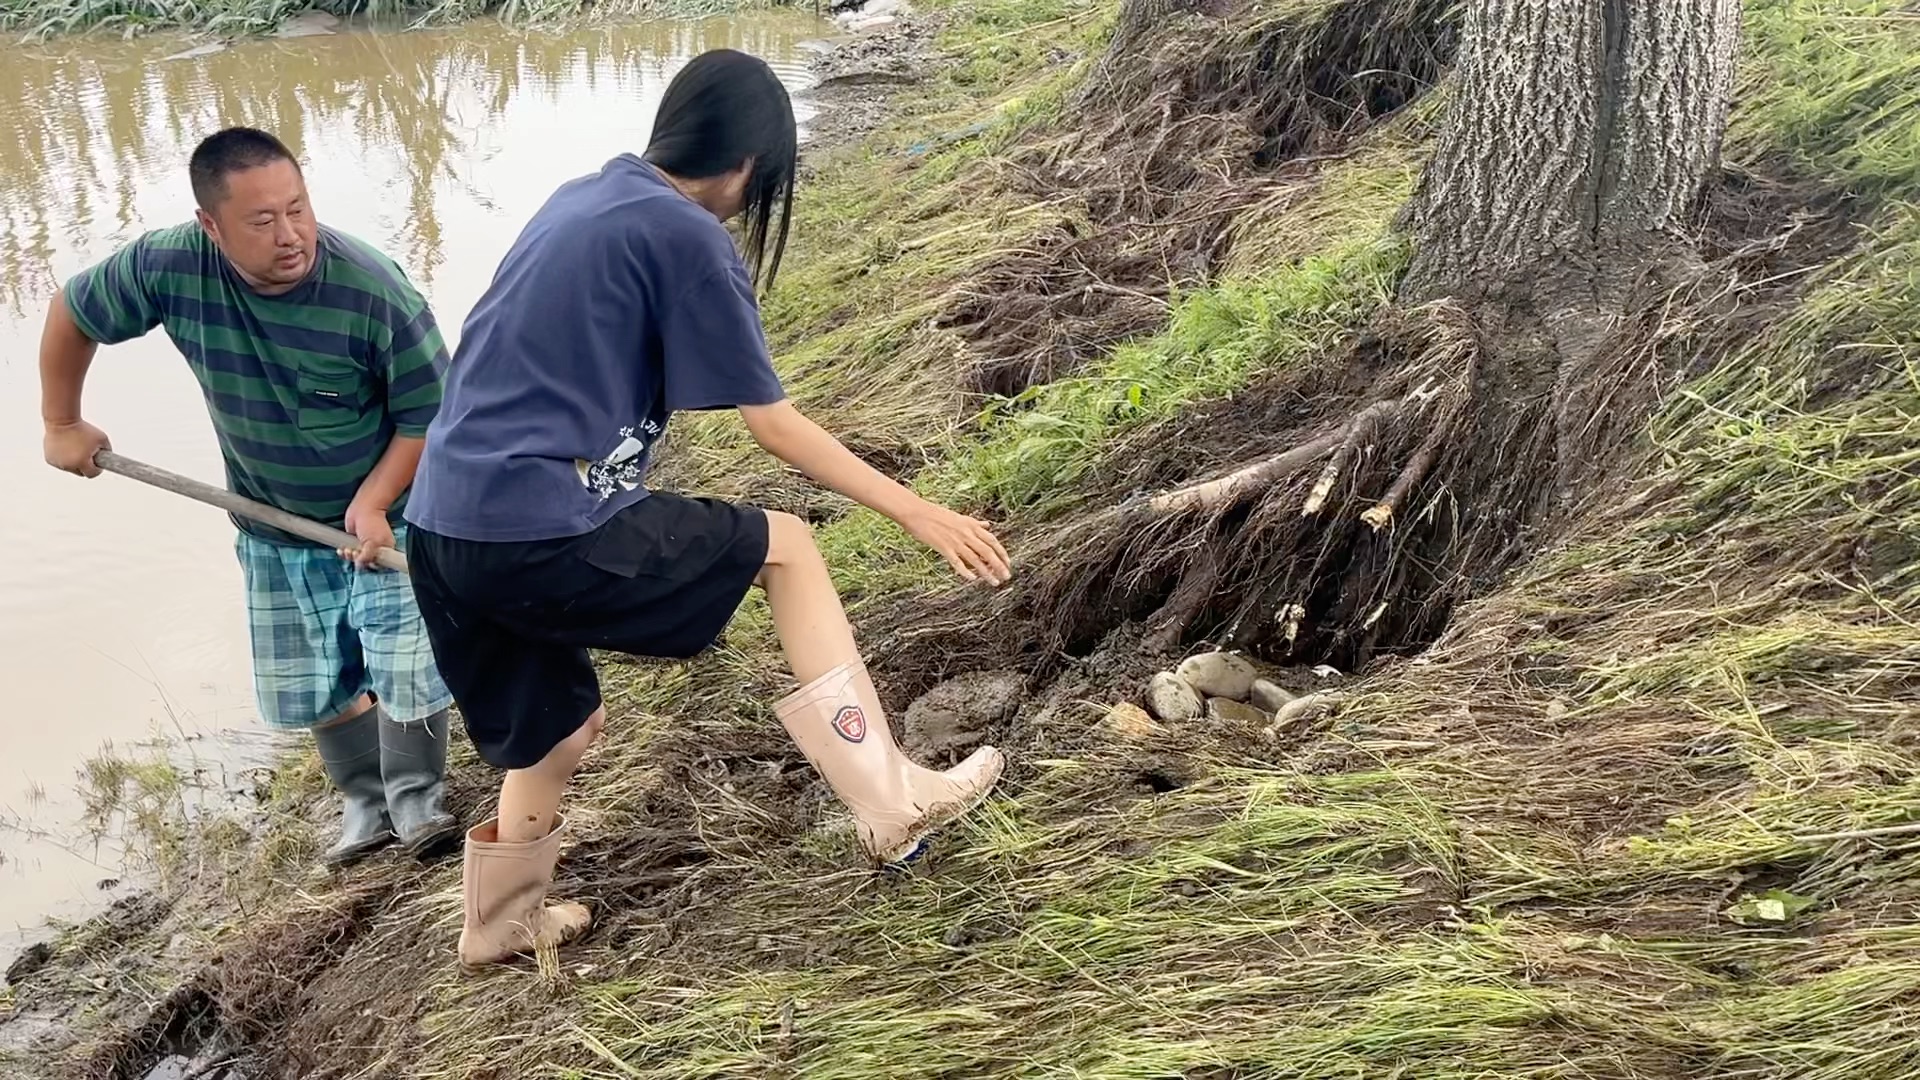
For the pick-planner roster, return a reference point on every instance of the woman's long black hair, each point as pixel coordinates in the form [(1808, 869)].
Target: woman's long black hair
[(721, 109)]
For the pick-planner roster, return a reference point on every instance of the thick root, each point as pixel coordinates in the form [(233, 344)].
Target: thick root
[(1237, 486), (1381, 515)]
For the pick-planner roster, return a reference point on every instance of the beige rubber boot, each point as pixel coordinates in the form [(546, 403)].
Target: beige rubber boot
[(837, 723), (506, 894)]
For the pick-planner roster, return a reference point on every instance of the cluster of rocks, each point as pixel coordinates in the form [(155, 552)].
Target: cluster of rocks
[(1223, 686), (870, 14)]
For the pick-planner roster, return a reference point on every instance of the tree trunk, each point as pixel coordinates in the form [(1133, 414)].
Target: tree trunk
[(1579, 141), (1137, 17), (1550, 230)]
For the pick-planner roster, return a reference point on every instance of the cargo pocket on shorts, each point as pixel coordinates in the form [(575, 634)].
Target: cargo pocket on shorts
[(637, 541)]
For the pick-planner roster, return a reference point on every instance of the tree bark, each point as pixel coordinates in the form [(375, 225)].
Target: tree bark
[(1137, 17), (1578, 143)]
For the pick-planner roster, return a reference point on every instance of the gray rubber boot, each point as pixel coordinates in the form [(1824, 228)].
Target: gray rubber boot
[(351, 752), (413, 762)]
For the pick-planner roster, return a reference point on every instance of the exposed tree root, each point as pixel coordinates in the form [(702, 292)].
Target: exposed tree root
[(1381, 515), (1180, 130), (1423, 421), (1237, 485)]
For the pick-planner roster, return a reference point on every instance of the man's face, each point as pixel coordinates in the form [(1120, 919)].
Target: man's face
[(265, 226)]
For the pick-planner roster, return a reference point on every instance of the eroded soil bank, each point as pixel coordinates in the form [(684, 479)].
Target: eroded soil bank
[(1631, 799)]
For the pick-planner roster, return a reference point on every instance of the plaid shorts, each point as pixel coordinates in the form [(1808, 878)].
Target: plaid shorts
[(325, 632)]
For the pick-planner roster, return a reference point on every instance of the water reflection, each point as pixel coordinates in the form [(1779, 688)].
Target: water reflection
[(123, 619), (86, 129)]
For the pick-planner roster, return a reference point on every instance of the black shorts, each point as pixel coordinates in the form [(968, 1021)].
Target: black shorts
[(511, 623)]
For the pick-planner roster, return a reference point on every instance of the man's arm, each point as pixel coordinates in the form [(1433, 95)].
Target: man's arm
[(69, 442), (392, 475), (107, 302), (412, 364)]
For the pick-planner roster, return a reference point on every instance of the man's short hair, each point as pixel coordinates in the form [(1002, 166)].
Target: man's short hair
[(226, 152)]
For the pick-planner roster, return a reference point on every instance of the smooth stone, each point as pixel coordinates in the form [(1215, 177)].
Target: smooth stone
[(1171, 698), (1227, 710), (1302, 709), (1268, 697), (1130, 722), (1219, 674)]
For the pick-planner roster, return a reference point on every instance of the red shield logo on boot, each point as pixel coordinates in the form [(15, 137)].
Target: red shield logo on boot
[(851, 723)]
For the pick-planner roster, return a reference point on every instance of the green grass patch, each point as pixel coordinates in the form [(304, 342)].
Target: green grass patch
[(1037, 446), (1835, 85)]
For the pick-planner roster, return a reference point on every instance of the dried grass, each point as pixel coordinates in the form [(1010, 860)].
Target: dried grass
[(1553, 845)]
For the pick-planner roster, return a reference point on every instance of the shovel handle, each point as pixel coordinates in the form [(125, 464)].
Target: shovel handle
[(305, 528)]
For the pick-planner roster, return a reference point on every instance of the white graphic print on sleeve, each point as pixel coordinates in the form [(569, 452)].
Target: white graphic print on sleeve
[(623, 467)]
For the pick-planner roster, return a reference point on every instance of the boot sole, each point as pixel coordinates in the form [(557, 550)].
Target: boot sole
[(342, 859), (435, 842), (519, 959)]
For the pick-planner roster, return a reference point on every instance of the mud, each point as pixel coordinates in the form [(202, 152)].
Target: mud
[(64, 979), (953, 718), (857, 76), (703, 819)]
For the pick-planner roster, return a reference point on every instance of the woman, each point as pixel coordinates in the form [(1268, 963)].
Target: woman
[(623, 301)]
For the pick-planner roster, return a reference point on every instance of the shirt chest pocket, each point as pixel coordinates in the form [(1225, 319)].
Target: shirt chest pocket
[(330, 398)]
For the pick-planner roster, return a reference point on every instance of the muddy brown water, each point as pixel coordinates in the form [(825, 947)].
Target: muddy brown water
[(120, 608)]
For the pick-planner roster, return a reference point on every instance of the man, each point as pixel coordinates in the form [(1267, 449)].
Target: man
[(321, 366)]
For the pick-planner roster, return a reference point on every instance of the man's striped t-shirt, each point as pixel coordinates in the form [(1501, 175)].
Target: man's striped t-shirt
[(306, 388)]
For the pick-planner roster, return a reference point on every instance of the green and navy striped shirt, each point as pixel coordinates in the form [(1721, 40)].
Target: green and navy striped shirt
[(306, 388)]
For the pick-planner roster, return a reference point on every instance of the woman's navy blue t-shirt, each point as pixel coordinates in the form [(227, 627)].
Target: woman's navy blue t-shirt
[(622, 302)]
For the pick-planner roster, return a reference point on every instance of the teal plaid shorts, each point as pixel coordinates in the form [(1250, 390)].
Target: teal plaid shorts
[(324, 632)]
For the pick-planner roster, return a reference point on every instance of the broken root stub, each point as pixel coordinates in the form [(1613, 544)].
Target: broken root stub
[(1300, 711)]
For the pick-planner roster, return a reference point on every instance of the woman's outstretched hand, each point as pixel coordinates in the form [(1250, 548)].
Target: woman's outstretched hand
[(968, 544)]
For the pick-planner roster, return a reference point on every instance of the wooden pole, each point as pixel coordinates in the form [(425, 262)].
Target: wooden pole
[(306, 528)]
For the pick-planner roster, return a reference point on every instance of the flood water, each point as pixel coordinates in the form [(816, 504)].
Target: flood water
[(121, 614)]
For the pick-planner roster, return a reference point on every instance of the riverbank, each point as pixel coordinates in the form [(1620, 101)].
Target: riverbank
[(1641, 807), (41, 19)]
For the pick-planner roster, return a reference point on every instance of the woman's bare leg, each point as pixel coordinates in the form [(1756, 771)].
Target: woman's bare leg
[(509, 862), (530, 797), (835, 717), (807, 613)]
